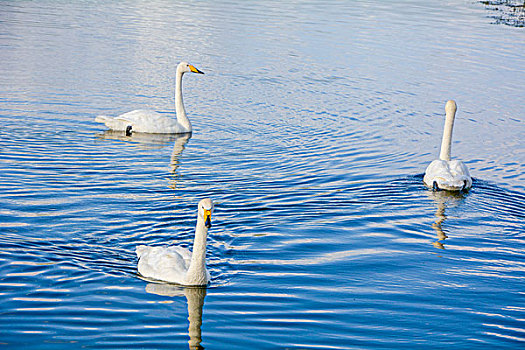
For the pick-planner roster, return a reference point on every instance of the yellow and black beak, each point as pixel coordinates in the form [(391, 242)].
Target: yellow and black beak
[(207, 218), (194, 70)]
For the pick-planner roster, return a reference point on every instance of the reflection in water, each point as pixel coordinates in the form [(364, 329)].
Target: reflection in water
[(145, 140), (195, 298), (444, 200), (153, 141), (178, 147)]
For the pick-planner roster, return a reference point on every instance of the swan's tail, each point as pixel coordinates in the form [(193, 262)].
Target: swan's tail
[(140, 250), (103, 119), (112, 123)]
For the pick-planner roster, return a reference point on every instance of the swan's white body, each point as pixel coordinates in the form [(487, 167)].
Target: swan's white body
[(177, 264), (153, 122), (443, 173)]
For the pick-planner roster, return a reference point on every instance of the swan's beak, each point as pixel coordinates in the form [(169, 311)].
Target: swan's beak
[(194, 70), (207, 218)]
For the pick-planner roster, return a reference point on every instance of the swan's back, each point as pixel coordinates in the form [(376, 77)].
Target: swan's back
[(449, 175), (164, 263), (142, 120)]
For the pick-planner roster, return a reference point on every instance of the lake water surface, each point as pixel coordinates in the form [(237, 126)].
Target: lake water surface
[(313, 126)]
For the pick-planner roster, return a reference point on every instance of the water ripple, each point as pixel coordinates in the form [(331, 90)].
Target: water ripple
[(324, 234)]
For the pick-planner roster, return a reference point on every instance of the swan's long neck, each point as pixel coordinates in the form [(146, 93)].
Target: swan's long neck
[(197, 270), (182, 119), (447, 132)]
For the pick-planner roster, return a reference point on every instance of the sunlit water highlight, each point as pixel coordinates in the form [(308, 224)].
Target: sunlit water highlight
[(313, 126)]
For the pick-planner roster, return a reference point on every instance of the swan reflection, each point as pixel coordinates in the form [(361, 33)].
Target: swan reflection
[(178, 147), (195, 299), (145, 140), (443, 200)]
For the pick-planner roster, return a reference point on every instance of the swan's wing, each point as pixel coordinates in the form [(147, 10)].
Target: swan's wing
[(460, 172), (151, 122), (183, 253), (163, 263), (436, 169), (139, 116), (458, 168), (112, 123), (142, 120)]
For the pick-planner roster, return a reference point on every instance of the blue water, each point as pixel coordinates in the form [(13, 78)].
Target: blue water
[(313, 126)]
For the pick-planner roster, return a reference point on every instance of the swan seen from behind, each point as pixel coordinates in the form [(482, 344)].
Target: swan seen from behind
[(444, 173), (153, 122), (177, 264)]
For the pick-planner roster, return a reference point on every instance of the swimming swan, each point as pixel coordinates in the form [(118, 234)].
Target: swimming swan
[(153, 122), (177, 264), (443, 173)]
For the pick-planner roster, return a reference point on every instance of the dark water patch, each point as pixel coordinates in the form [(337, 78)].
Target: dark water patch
[(510, 12)]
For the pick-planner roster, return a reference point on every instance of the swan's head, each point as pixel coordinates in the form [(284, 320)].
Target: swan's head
[(450, 107), (185, 67), (205, 210)]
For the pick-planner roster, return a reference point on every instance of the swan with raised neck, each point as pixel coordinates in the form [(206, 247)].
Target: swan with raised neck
[(177, 264), (444, 173), (148, 121)]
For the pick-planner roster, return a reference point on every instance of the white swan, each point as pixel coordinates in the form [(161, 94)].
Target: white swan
[(153, 122), (443, 173), (177, 264)]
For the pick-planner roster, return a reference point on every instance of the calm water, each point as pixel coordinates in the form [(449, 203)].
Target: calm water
[(313, 126)]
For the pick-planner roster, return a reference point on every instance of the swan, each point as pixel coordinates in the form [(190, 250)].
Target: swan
[(443, 173), (176, 264), (141, 120)]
